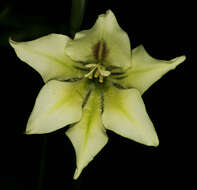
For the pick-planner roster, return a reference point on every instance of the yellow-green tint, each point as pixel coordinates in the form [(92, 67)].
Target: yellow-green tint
[(57, 105), (146, 70), (47, 56), (125, 114), (88, 136)]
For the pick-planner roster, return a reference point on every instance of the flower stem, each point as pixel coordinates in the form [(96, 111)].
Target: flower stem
[(77, 13), (42, 162)]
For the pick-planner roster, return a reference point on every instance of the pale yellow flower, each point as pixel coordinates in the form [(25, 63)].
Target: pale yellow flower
[(93, 83)]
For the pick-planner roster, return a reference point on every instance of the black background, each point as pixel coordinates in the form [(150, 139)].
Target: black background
[(165, 29)]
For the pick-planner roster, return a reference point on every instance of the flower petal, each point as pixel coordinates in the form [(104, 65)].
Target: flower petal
[(57, 105), (105, 37), (125, 114), (46, 55), (88, 136), (146, 70)]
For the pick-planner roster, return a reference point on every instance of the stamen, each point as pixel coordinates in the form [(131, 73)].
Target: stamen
[(91, 65), (90, 76), (105, 73), (100, 78), (97, 71), (96, 74)]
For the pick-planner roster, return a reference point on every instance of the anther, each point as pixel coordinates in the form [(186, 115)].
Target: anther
[(100, 78), (96, 74), (90, 76)]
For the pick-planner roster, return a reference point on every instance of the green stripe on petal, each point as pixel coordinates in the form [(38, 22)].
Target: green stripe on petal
[(146, 70), (57, 105), (125, 114), (47, 56), (88, 136), (105, 38)]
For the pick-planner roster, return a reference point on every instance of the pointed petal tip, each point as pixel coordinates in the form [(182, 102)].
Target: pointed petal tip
[(108, 13), (33, 132), (11, 42), (183, 57), (178, 60), (154, 142), (28, 132), (76, 174)]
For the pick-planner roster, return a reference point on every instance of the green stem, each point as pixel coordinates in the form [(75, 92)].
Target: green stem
[(42, 162), (77, 13)]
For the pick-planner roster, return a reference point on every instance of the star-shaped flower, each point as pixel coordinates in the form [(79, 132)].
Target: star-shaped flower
[(93, 83)]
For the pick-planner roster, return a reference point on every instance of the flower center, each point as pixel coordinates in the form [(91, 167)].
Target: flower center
[(97, 71)]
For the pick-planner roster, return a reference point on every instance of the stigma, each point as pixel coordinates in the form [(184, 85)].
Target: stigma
[(97, 71)]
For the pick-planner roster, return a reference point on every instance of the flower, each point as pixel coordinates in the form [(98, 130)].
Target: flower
[(93, 83)]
